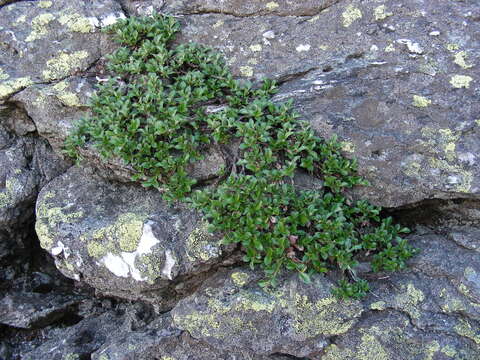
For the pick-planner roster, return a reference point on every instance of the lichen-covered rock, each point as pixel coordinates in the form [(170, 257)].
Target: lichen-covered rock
[(121, 239), (433, 308), (397, 81), (162, 340), (45, 41), (231, 312)]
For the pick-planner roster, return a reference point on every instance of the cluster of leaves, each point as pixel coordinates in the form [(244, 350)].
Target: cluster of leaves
[(155, 114)]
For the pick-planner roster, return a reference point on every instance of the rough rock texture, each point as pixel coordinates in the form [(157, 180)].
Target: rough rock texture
[(121, 239), (429, 310), (398, 81)]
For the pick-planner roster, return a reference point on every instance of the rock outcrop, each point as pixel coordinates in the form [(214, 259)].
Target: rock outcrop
[(398, 81)]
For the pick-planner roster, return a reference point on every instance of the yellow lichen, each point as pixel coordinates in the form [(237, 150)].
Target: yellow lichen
[(350, 15), (7, 197), (246, 71), (61, 65), (49, 217), (126, 231), (239, 278), (201, 245), (44, 4), (460, 81), (76, 23), (66, 97), (218, 24), (379, 305), (324, 317), (348, 146), (465, 329), (465, 184), (449, 351), (409, 299), (96, 250), (421, 101), (39, 26), (452, 47), (461, 60), (371, 349), (256, 47), (431, 349), (10, 87), (272, 5), (380, 13), (3, 75)]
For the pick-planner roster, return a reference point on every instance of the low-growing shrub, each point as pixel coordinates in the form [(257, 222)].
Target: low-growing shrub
[(155, 114)]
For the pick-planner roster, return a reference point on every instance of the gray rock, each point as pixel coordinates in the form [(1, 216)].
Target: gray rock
[(404, 102), (433, 308), (78, 341), (121, 239), (32, 310)]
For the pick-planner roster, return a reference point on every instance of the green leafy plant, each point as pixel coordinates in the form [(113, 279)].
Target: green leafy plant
[(155, 114)]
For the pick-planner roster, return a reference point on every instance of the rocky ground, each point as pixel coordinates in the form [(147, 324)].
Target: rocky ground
[(95, 267)]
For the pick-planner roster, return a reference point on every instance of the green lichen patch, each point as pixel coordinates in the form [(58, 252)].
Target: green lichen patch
[(62, 64), (11, 86), (76, 23), (50, 216), (381, 13), (350, 15), (461, 81), (409, 299), (68, 98), (39, 26), (421, 101), (460, 59), (466, 329), (201, 244)]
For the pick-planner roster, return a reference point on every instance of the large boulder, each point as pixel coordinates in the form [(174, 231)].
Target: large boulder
[(433, 308), (396, 80), (123, 240)]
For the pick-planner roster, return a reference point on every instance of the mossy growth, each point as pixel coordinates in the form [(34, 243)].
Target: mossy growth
[(155, 113)]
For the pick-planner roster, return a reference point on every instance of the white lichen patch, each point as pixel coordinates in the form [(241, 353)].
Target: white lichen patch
[(20, 20), (246, 71), (10, 87), (111, 19), (421, 101), (460, 81), (389, 48), (61, 65), (77, 23), (413, 47), (272, 5), (302, 48), (168, 265), (381, 13), (460, 59), (350, 15), (39, 26), (123, 265)]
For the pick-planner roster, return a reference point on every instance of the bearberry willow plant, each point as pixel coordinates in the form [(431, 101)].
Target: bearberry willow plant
[(153, 114)]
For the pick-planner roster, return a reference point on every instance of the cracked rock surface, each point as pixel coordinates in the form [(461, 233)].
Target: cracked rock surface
[(104, 270)]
